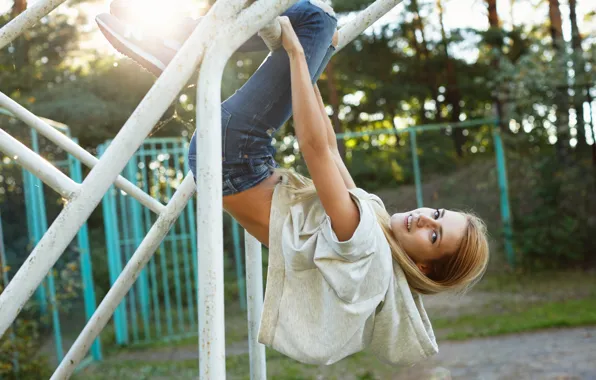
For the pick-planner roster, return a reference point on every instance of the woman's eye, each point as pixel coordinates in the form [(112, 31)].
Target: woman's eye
[(433, 237), (436, 214)]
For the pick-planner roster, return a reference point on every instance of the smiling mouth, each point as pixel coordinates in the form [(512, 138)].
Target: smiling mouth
[(408, 222)]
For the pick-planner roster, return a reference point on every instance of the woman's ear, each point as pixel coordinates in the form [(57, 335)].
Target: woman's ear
[(424, 268)]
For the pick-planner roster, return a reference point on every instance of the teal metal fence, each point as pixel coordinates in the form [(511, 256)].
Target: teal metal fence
[(50, 296), (162, 304)]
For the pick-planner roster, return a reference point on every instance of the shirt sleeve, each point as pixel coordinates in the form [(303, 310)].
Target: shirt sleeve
[(361, 244), (346, 265)]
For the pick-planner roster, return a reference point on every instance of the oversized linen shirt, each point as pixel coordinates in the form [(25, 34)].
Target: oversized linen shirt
[(326, 299)]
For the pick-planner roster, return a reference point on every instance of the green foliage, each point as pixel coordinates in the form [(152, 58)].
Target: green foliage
[(553, 223), (19, 348)]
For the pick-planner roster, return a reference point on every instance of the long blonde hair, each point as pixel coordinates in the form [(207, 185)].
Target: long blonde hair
[(455, 272)]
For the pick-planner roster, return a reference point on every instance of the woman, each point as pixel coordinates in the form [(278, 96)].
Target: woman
[(343, 274)]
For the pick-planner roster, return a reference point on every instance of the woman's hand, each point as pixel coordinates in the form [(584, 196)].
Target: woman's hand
[(289, 38)]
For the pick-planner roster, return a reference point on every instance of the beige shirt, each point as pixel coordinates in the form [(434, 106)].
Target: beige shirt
[(327, 299)]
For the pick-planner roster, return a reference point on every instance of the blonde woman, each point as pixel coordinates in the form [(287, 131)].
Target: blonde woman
[(343, 274)]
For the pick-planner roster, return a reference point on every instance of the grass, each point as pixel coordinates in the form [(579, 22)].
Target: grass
[(516, 318)]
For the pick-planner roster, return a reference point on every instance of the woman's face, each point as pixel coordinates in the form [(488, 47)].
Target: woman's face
[(428, 234)]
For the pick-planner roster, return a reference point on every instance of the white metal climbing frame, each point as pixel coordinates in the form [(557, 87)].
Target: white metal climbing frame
[(226, 26)]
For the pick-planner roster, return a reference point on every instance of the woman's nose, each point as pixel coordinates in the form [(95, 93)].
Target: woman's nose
[(425, 221)]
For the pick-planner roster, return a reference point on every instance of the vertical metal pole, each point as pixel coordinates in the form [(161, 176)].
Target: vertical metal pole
[(32, 221), (125, 243), (137, 234), (254, 295), (152, 270), (212, 351), (239, 271), (42, 227), (504, 194), (162, 248), (114, 255), (175, 252), (185, 236), (85, 258), (416, 166)]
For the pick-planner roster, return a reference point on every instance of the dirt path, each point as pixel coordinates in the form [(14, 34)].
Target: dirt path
[(550, 354)]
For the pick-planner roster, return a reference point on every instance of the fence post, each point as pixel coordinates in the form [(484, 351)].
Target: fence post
[(85, 256), (503, 193)]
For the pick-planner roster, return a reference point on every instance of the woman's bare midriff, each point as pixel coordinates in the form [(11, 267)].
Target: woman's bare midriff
[(251, 208)]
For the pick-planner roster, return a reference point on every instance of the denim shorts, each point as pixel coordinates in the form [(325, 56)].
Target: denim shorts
[(251, 117)]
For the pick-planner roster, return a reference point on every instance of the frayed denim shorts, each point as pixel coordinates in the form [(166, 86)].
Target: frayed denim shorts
[(251, 117)]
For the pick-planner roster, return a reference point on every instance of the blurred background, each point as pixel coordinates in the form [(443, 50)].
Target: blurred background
[(462, 76)]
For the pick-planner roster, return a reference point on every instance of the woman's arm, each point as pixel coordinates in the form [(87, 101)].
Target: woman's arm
[(314, 143), (332, 139)]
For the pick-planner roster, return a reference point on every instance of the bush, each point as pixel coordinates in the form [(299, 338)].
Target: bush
[(552, 223), (19, 347)]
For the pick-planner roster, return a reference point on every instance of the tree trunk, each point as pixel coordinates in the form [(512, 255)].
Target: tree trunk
[(334, 102), (20, 44), (452, 93), (18, 7), (423, 55), (579, 67), (494, 24), (561, 100), (493, 15)]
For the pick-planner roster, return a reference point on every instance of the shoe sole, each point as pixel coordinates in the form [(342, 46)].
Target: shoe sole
[(125, 46)]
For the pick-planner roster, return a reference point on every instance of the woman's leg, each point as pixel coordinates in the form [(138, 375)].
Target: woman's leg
[(155, 52), (256, 111)]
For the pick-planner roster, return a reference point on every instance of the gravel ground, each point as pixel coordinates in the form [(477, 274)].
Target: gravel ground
[(561, 354), (552, 354)]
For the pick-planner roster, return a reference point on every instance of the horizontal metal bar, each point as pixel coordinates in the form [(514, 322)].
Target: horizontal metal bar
[(38, 166), (26, 20), (126, 279), (73, 148), (52, 123), (419, 128)]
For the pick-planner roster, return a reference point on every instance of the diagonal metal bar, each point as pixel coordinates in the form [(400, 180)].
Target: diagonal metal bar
[(21, 113), (26, 20), (128, 140), (126, 279), (37, 166), (363, 20)]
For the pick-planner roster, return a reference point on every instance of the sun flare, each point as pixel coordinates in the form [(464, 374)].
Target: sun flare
[(157, 16)]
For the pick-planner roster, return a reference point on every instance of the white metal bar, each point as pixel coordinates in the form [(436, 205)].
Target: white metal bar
[(26, 19), (363, 20), (210, 222), (126, 279), (39, 167), (52, 123), (254, 297), (135, 130), (212, 364), (73, 148)]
